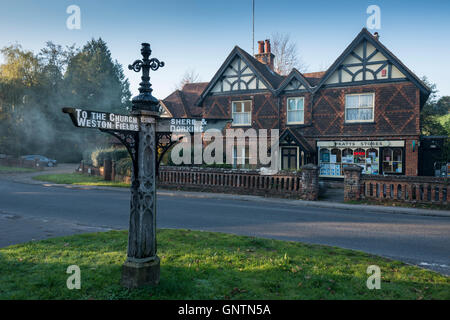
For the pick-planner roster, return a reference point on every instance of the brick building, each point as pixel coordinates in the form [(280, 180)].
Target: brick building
[(364, 109)]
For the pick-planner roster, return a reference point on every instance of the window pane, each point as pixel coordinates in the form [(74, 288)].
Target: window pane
[(237, 118), (245, 118), (247, 106), (397, 156), (366, 100), (352, 114), (387, 155), (365, 114), (292, 104), (300, 116), (295, 116), (337, 153), (300, 104), (324, 155), (352, 101)]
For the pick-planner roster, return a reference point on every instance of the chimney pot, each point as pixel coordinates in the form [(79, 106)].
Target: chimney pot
[(260, 46), (267, 46)]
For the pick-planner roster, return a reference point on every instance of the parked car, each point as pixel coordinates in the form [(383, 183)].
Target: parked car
[(43, 161)]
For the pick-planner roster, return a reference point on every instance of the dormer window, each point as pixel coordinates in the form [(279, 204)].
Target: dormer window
[(295, 110), (359, 107), (242, 113)]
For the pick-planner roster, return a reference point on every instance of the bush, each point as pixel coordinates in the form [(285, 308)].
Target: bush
[(124, 166), (86, 157), (98, 156)]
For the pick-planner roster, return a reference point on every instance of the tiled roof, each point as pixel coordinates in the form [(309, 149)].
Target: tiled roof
[(271, 76), (297, 135), (181, 103), (313, 81), (318, 74)]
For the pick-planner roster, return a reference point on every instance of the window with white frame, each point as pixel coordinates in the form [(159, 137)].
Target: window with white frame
[(359, 107), (242, 113), (295, 110)]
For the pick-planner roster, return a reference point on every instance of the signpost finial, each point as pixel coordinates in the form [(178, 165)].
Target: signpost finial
[(145, 100)]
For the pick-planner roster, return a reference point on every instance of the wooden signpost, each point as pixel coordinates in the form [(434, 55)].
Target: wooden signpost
[(142, 131)]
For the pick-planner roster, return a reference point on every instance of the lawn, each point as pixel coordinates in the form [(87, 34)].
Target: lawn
[(79, 179), (5, 169), (206, 265)]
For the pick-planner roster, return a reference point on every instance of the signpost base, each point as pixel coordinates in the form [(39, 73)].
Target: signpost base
[(138, 274)]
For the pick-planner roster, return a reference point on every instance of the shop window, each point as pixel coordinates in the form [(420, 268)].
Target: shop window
[(372, 161), (392, 160), (335, 156), (324, 155), (333, 161), (359, 156)]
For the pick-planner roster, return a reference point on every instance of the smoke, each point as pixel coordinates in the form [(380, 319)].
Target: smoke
[(31, 117)]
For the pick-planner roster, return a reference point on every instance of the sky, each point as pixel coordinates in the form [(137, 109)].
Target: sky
[(199, 34)]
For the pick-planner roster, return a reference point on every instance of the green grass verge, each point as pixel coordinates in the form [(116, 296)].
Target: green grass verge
[(79, 179), (5, 169), (206, 265)]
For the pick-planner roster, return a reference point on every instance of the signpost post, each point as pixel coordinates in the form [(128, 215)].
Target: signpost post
[(142, 132), (137, 132)]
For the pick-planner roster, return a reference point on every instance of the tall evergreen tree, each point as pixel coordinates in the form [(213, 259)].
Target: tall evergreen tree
[(95, 81)]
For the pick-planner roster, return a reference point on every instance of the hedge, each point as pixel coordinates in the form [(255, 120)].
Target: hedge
[(98, 156)]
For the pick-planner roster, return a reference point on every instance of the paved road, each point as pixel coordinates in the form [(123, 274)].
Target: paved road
[(37, 211)]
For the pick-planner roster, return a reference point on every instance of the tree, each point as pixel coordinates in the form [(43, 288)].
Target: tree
[(435, 117), (286, 54), (95, 81), (19, 87), (190, 76), (430, 112), (34, 88)]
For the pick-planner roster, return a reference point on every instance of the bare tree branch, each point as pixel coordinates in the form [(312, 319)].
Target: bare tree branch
[(286, 54), (190, 76)]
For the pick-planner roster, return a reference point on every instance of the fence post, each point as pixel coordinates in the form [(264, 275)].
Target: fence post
[(309, 182), (352, 183)]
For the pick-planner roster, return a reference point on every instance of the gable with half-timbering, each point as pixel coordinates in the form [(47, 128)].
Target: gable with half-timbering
[(237, 76), (365, 63), (295, 84)]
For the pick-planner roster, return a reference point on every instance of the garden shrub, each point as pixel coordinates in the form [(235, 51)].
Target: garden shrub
[(124, 166), (99, 155)]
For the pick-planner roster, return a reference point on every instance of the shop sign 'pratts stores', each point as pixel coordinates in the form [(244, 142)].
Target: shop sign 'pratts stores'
[(374, 157)]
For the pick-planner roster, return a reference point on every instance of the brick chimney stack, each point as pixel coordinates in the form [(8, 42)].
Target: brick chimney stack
[(260, 47), (264, 54)]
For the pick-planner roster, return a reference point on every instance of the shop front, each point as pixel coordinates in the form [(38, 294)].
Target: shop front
[(374, 157)]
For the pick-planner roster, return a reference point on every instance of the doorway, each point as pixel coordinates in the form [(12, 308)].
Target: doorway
[(289, 158)]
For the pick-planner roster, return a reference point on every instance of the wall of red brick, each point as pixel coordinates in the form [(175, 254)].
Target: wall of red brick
[(411, 158), (396, 116)]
